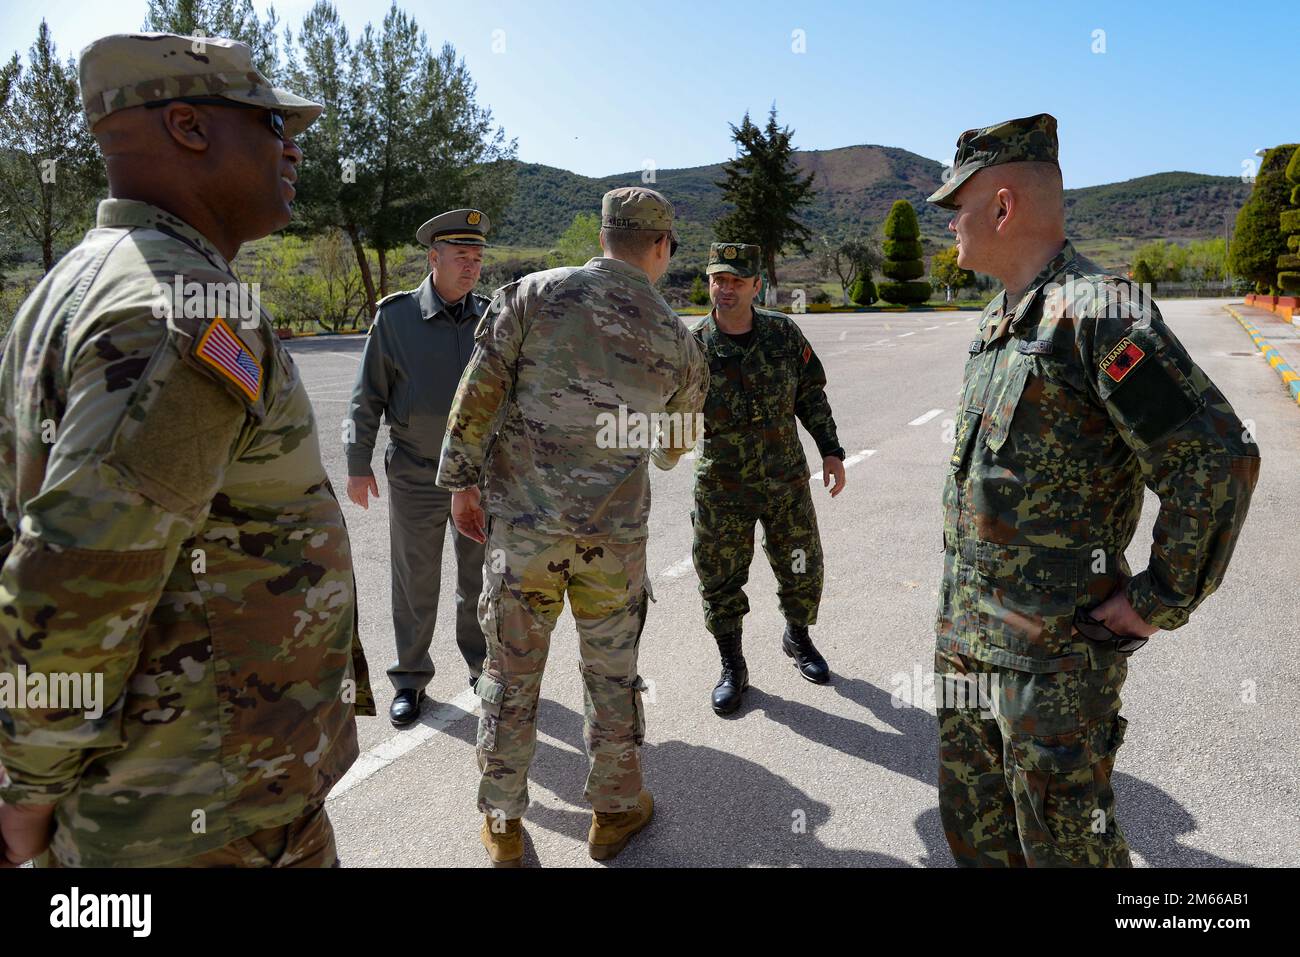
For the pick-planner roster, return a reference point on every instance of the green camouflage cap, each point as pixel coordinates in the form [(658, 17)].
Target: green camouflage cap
[(742, 259), (1028, 139), (131, 69), (635, 207), (461, 227)]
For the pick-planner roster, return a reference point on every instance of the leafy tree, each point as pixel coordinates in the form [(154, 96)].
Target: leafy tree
[(1288, 263), (1206, 260), (764, 184), (231, 19), (50, 170), (945, 271), (863, 292), (850, 260), (1258, 240), (699, 292), (579, 242), (903, 263)]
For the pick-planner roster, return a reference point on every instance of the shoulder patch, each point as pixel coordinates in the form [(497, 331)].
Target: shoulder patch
[(221, 349), (1123, 359)]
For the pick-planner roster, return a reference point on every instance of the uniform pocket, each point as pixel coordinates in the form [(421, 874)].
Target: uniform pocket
[(1003, 411), (1027, 597), (967, 429), (638, 707), (492, 693)]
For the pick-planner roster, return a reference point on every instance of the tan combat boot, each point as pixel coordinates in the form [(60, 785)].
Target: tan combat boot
[(610, 831), (505, 847)]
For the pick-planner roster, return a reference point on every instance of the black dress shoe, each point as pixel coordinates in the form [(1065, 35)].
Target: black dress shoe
[(735, 675), (796, 643), (405, 707)]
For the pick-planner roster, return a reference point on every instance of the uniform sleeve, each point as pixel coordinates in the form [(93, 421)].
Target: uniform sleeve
[(685, 408), (485, 386), (1195, 453), (130, 475), (369, 399), (810, 402)]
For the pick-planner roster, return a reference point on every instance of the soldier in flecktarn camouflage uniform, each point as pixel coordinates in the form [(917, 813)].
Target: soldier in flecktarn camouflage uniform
[(764, 379), (1076, 395), (561, 355), (168, 525)]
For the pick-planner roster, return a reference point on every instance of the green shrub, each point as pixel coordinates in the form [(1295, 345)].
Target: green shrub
[(863, 292), (1293, 242), (906, 269), (905, 293), (1290, 220), (902, 249), (699, 292), (820, 297), (1288, 262), (1290, 281)]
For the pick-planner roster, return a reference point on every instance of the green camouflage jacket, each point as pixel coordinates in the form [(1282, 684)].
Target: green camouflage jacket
[(573, 363), (1071, 404), (751, 448), (168, 526)]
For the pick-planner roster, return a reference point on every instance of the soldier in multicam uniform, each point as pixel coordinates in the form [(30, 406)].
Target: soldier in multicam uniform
[(167, 520), (765, 377), (1076, 395), (416, 352), (558, 352)]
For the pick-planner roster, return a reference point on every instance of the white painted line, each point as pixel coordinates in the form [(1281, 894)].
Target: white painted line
[(928, 328), (404, 742), (904, 335), (922, 419), (843, 334), (970, 318), (677, 569), (851, 461)]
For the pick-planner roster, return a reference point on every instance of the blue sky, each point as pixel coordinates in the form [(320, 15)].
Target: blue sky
[(601, 88)]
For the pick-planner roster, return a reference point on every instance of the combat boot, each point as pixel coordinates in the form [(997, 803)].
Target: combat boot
[(505, 847), (610, 831), (807, 659), (735, 674)]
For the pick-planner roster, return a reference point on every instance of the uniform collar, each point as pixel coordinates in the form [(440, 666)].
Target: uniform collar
[(995, 310), (432, 304), (127, 213), (720, 344), (618, 266)]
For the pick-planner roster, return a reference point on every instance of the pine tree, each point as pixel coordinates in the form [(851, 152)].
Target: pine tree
[(764, 184), (903, 258), (1258, 241), (1288, 263)]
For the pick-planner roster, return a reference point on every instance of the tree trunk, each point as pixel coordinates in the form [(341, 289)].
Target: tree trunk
[(383, 271), (364, 265)]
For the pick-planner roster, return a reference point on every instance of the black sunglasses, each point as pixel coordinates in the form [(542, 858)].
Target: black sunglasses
[(277, 119), (1094, 630)]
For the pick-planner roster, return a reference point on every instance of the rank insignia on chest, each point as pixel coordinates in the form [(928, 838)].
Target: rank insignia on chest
[(1123, 359), (221, 349), (807, 354)]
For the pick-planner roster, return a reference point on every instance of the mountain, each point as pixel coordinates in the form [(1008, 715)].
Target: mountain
[(857, 185)]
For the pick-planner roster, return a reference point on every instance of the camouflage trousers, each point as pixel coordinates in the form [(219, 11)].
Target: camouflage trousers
[(1025, 766), (525, 580), (307, 841), (723, 548)]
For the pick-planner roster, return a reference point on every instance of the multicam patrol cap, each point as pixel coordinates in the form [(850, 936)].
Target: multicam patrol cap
[(1028, 139), (131, 69), (741, 259), (460, 227), (635, 207)]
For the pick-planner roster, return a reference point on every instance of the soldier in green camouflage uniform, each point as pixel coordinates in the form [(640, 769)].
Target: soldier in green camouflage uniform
[(563, 357), (764, 377), (1076, 395), (168, 524)]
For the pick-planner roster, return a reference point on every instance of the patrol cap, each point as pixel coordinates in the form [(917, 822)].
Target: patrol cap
[(131, 69), (635, 207), (741, 259), (1030, 139), (461, 227)]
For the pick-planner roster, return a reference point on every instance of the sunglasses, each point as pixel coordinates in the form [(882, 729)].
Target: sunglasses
[(276, 121), (1094, 630)]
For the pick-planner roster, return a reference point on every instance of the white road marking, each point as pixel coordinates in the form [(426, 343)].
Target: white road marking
[(970, 318), (677, 569), (843, 334), (904, 335), (928, 328), (922, 419), (404, 742), (851, 461)]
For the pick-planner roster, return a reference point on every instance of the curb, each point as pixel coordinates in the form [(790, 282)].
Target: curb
[(1289, 377)]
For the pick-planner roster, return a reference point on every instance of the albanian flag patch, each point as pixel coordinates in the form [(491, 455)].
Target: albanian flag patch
[(1123, 359)]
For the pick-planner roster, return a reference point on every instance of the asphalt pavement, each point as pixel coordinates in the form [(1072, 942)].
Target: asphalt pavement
[(844, 775)]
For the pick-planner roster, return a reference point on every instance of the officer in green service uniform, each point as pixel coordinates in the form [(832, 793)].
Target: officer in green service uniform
[(169, 528), (419, 344), (764, 376), (1076, 396)]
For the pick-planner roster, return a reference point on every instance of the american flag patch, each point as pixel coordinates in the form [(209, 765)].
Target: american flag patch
[(221, 349)]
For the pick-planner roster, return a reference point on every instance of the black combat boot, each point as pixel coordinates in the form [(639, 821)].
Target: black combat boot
[(735, 675), (807, 659)]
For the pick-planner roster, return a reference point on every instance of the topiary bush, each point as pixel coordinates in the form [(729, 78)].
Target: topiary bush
[(863, 292), (903, 258)]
